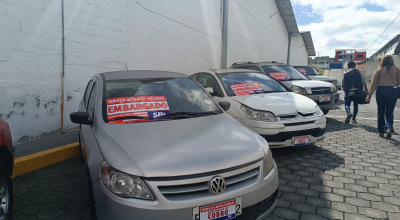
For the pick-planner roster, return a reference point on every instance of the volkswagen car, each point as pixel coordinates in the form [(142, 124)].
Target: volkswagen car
[(157, 146), (265, 106), (7, 153), (323, 93), (313, 74)]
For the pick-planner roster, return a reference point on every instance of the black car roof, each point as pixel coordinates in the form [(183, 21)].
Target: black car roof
[(264, 63), (141, 74)]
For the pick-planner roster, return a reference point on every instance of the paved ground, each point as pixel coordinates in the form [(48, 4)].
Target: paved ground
[(350, 175)]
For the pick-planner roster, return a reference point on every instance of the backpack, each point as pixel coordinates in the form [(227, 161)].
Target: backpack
[(352, 80)]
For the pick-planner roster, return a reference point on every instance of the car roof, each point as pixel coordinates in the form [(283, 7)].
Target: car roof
[(220, 71), (264, 63), (141, 74)]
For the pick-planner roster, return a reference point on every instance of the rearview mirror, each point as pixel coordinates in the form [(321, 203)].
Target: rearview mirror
[(80, 118), (225, 105), (210, 90)]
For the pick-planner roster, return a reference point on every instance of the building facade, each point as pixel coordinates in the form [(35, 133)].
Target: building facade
[(343, 55)]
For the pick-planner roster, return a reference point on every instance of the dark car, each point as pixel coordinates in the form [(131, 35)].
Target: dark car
[(313, 74), (323, 93), (7, 154)]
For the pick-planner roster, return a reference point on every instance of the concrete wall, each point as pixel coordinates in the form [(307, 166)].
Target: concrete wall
[(298, 51), (108, 35)]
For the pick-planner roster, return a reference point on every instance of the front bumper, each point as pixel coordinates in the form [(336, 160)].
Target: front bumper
[(327, 105), (258, 198)]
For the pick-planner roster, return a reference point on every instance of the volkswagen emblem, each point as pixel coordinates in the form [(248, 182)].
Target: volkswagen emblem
[(217, 185)]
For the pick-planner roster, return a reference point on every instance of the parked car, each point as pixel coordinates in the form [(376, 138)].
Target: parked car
[(7, 154), (323, 93), (157, 146), (265, 106), (313, 74)]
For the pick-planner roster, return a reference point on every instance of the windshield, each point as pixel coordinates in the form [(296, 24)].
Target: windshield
[(156, 99), (238, 84), (283, 73), (307, 70)]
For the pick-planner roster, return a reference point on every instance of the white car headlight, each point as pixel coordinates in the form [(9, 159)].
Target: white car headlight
[(268, 163), (318, 111), (123, 184), (258, 115), (299, 90)]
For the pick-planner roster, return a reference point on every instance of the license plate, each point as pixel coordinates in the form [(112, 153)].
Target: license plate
[(300, 141), (324, 99), (221, 211)]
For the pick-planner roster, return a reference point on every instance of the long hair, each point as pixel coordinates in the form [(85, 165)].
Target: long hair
[(387, 61)]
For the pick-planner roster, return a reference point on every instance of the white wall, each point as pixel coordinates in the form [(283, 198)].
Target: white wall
[(106, 35), (298, 51)]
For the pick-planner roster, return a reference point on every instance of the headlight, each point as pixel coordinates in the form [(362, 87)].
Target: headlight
[(258, 115), (318, 111), (299, 90), (268, 163), (123, 184)]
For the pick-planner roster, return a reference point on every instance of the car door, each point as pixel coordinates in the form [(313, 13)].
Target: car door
[(88, 137)]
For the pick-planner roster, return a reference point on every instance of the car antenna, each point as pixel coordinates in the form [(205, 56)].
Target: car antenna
[(209, 64), (126, 67)]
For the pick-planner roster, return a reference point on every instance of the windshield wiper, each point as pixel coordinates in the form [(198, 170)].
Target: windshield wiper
[(128, 117), (187, 114)]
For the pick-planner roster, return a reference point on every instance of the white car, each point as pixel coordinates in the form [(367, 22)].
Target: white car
[(265, 106)]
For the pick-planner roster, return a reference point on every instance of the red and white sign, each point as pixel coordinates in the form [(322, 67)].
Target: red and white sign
[(302, 70), (246, 89), (226, 210), (148, 107), (280, 76), (299, 141), (324, 98)]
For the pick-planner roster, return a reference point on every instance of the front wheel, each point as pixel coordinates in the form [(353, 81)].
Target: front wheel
[(325, 112), (6, 196)]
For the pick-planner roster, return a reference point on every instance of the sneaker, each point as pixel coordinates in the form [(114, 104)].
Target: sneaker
[(348, 118), (354, 121), (389, 133)]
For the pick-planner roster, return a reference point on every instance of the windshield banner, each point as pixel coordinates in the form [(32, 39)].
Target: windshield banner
[(302, 70), (148, 107), (246, 89), (280, 76)]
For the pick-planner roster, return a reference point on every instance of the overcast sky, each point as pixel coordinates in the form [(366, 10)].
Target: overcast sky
[(347, 24)]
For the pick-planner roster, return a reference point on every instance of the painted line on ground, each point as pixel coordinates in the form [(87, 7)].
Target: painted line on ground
[(45, 158)]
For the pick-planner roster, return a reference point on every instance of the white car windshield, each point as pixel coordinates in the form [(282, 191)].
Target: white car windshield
[(145, 100), (283, 72), (237, 84)]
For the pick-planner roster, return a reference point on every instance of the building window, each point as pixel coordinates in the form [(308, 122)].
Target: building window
[(360, 56), (321, 63)]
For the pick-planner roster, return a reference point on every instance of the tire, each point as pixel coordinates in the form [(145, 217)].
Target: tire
[(81, 158), (92, 204), (6, 195), (325, 112)]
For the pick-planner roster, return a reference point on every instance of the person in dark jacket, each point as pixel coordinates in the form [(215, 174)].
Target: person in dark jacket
[(352, 79), (385, 81)]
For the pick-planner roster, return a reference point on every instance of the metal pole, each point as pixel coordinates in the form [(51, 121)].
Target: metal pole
[(289, 48), (63, 66), (224, 52)]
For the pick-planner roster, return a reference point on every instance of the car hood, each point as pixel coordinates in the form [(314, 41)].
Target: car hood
[(306, 83), (322, 78), (179, 147), (281, 103)]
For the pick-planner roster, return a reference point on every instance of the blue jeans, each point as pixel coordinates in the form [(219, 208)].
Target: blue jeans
[(386, 99), (347, 104)]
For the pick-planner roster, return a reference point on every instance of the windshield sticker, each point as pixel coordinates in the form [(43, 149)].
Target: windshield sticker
[(247, 89), (280, 76), (148, 107), (302, 70)]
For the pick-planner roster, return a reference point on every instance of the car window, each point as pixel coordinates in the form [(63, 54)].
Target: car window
[(283, 72), (307, 70), (207, 80), (194, 77), (251, 68), (147, 100), (238, 84), (87, 93), (92, 101)]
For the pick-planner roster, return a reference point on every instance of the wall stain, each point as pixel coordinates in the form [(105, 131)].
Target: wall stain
[(21, 104), (69, 97), (9, 114), (23, 112), (37, 102), (47, 103)]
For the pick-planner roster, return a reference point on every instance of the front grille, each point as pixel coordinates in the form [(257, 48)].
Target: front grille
[(294, 115), (299, 123), (283, 136), (201, 189), (321, 90), (258, 209)]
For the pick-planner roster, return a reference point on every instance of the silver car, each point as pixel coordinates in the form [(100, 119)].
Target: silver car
[(313, 74), (157, 146)]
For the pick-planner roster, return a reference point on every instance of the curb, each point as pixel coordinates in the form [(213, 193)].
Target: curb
[(45, 158)]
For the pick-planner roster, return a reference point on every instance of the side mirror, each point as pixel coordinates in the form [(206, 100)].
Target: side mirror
[(210, 90), (80, 118), (225, 105)]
